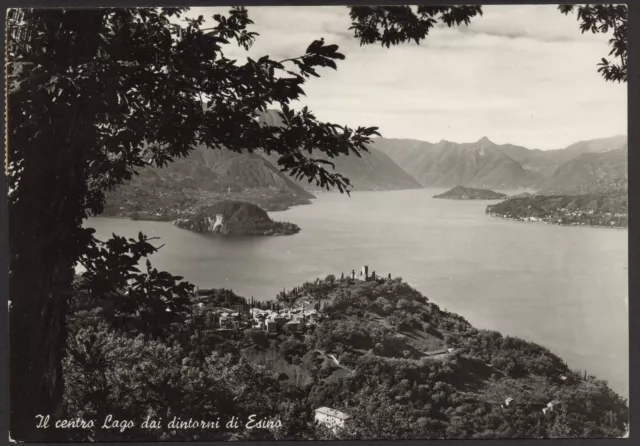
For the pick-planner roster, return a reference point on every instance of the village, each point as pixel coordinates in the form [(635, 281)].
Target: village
[(279, 317), (570, 217), (303, 312), (272, 317), (289, 320), (580, 210)]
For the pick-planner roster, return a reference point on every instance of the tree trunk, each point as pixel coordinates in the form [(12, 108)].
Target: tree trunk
[(51, 134), (37, 336), (44, 231)]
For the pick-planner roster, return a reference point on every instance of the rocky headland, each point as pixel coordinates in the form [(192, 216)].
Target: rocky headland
[(233, 218)]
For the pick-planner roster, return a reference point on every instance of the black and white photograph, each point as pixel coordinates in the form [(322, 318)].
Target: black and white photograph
[(333, 222)]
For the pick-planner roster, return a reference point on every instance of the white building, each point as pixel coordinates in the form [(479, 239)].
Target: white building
[(552, 404), (507, 402), (331, 418)]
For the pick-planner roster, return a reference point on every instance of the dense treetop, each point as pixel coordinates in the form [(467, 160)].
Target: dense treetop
[(381, 331), (392, 25)]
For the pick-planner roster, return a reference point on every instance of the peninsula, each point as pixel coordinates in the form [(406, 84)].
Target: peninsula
[(469, 193), (603, 210), (235, 218), (365, 345)]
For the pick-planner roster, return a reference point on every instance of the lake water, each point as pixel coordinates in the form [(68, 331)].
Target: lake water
[(562, 287)]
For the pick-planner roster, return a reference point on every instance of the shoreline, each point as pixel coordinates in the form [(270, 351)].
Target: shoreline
[(558, 224), (622, 391), (426, 289)]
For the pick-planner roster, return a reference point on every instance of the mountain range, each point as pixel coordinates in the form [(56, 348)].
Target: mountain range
[(208, 175), (589, 173), (547, 161), (447, 164), (221, 170), (506, 166), (373, 170)]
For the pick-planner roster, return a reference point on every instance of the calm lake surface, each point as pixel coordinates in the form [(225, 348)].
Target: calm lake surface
[(563, 287)]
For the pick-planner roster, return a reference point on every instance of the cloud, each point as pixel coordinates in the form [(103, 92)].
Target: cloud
[(519, 74), (536, 22)]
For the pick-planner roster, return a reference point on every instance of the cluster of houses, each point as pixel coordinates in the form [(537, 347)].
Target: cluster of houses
[(331, 418), (273, 320), (291, 320), (546, 408), (269, 320), (569, 217)]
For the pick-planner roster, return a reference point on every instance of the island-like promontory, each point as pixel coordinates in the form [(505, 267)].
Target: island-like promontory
[(235, 218), (468, 193), (602, 210)]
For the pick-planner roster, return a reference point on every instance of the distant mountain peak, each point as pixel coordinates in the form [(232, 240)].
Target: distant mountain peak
[(448, 164), (485, 140)]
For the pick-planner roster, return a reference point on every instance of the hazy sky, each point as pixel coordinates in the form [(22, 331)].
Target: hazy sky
[(519, 74)]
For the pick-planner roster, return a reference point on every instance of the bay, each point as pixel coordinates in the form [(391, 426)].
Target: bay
[(563, 287)]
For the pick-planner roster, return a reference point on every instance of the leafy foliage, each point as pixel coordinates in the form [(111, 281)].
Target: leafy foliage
[(388, 393), (392, 394), (603, 19), (392, 25), (150, 300), (95, 95), (133, 378)]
